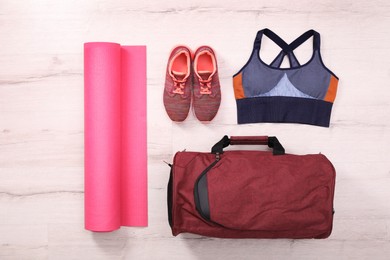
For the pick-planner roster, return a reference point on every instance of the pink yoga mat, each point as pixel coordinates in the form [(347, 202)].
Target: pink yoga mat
[(115, 136)]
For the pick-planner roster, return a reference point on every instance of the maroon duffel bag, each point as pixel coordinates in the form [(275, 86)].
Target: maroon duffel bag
[(251, 194)]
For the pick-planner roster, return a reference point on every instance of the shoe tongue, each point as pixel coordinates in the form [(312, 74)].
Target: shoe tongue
[(205, 75), (179, 75)]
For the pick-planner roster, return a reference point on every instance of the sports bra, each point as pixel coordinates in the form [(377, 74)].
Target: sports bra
[(298, 94)]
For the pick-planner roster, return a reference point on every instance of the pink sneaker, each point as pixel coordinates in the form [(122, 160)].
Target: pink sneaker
[(177, 91), (206, 87)]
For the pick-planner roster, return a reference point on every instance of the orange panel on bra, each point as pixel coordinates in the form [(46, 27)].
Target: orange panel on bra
[(332, 89), (238, 88)]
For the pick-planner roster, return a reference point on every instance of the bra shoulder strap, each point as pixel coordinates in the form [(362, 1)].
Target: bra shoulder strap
[(273, 36), (304, 37), (278, 41), (295, 44), (287, 49)]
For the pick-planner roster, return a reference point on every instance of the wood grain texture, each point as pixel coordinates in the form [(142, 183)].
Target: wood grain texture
[(41, 121)]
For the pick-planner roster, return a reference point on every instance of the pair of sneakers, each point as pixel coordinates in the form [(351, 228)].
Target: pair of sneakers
[(192, 77)]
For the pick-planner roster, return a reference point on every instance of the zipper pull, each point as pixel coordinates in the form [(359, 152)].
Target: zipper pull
[(217, 156), (169, 164)]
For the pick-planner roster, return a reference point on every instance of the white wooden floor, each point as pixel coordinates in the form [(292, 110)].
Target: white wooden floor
[(41, 121)]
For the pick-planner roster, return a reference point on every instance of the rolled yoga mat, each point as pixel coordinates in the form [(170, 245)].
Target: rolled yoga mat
[(115, 136)]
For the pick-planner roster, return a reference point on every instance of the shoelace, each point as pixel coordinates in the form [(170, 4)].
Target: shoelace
[(205, 86), (178, 85)]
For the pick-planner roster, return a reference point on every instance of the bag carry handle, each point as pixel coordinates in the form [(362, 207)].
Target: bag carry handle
[(271, 141)]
